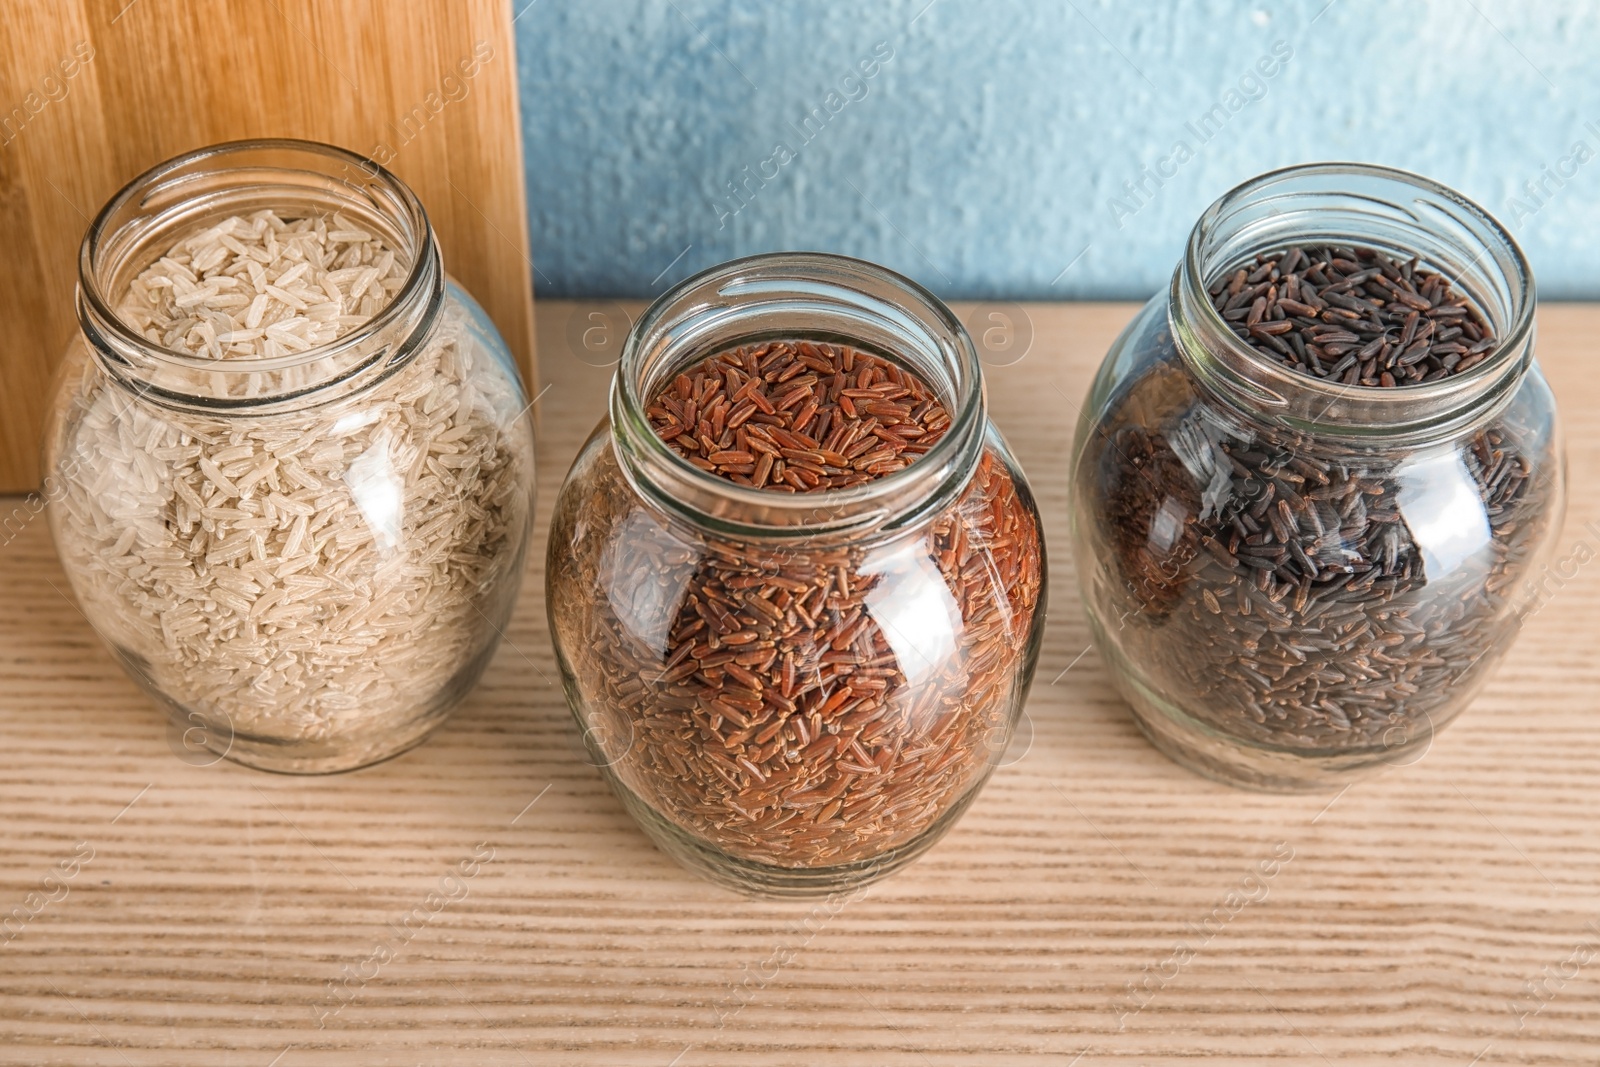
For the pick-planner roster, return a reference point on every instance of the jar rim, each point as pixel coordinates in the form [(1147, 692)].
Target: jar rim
[(894, 500), (1385, 198), (424, 282)]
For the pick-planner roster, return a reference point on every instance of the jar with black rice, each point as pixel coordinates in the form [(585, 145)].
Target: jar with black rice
[(796, 581), (1316, 480)]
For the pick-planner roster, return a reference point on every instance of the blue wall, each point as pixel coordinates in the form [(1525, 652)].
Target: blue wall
[(981, 146)]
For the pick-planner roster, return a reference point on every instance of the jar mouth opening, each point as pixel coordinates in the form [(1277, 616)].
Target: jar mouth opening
[(1357, 204), (801, 295), (204, 186)]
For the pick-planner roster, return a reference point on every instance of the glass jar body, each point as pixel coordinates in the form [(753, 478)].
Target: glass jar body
[(305, 589), (1285, 610), (794, 718)]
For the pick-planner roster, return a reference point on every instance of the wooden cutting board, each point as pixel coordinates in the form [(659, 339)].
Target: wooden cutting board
[(93, 92)]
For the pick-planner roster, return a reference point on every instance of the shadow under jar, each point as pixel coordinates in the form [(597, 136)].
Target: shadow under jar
[(1299, 574), (796, 692), (289, 464)]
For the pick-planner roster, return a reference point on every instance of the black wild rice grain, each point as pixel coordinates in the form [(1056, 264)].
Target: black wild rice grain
[(1353, 315), (1273, 585)]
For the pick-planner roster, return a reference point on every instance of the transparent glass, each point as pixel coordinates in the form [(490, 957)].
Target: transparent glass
[(796, 693), (1293, 580), (306, 559)]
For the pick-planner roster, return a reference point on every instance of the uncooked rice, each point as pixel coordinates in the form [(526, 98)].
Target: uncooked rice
[(798, 705), (263, 287), (321, 575)]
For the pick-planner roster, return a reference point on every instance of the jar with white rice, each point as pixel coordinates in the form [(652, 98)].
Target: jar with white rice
[(290, 461)]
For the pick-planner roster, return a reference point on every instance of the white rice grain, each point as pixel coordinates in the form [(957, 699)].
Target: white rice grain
[(233, 557)]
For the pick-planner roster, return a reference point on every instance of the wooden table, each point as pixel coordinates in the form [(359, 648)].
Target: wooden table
[(213, 907)]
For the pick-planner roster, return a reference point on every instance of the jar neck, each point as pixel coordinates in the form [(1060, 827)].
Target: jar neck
[(295, 179), (1397, 213), (799, 296)]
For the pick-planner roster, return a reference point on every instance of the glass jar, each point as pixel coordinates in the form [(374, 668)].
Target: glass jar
[(307, 556), (1294, 579), (795, 693)]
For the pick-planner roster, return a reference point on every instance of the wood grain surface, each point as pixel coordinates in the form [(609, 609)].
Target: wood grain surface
[(222, 914), (94, 92)]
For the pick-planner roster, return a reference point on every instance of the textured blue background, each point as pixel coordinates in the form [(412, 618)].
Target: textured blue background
[(983, 158)]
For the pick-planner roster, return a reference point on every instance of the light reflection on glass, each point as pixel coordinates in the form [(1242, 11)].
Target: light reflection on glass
[(1167, 525), (646, 599), (915, 609), (376, 489), (1443, 509)]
